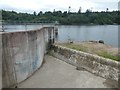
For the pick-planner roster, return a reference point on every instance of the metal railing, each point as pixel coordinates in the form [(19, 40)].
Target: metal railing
[(26, 25)]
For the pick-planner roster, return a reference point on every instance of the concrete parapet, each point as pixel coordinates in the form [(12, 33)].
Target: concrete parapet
[(103, 67), (0, 61), (22, 54)]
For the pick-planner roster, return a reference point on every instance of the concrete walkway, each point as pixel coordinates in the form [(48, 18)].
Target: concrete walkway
[(0, 73), (57, 74)]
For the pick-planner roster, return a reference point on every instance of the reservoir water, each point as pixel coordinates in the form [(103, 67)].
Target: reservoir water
[(107, 33)]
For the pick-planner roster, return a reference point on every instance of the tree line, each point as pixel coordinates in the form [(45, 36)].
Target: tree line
[(64, 18)]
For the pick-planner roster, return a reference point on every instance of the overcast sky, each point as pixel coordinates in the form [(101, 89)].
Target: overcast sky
[(48, 5)]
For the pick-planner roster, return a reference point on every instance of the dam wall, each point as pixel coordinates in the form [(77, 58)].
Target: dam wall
[(22, 54)]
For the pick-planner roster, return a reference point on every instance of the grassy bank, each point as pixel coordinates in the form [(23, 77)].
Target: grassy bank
[(98, 49)]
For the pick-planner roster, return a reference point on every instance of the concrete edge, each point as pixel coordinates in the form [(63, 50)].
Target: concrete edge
[(111, 62), (104, 67)]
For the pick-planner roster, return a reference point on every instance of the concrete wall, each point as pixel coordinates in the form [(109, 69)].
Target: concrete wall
[(0, 61), (22, 54), (95, 64), (1, 28)]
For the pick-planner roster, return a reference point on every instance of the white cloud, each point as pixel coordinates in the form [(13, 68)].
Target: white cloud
[(46, 5)]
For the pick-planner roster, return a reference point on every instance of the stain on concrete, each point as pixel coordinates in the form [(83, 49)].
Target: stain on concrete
[(80, 69), (111, 83)]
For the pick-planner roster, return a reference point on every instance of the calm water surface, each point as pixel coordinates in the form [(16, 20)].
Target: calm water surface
[(108, 33)]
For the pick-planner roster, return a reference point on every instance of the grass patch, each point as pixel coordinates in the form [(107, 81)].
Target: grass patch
[(76, 47), (107, 55), (101, 53)]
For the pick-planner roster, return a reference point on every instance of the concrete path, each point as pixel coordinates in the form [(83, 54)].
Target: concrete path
[(0, 61), (0, 73), (57, 74)]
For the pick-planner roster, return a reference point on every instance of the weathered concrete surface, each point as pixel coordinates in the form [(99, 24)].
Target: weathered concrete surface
[(95, 64), (0, 50), (0, 61), (58, 74), (22, 53)]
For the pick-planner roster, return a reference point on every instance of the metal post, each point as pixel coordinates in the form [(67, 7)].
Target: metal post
[(53, 34), (1, 26), (49, 37), (25, 26)]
